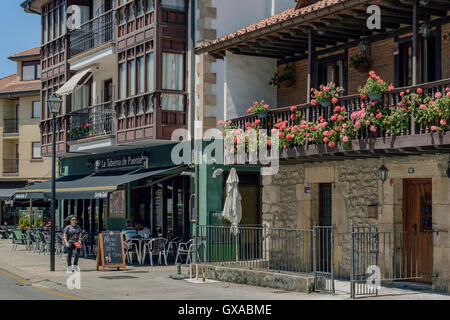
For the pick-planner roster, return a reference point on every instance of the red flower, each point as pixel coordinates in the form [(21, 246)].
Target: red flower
[(391, 88), (293, 109), (293, 116), (419, 91), (331, 144), (334, 100), (313, 102), (269, 142)]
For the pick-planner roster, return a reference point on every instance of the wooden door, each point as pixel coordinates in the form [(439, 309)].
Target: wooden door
[(323, 235), (417, 240)]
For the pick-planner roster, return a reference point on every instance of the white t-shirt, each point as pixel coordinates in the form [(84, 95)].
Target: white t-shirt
[(143, 232)]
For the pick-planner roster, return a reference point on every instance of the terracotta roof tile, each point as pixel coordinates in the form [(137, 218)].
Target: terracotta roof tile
[(11, 84), (275, 19), (29, 52)]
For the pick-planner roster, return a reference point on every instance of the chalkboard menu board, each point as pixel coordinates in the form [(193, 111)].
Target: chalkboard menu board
[(110, 250)]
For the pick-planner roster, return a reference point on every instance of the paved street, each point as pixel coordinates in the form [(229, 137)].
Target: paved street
[(14, 288), (141, 283)]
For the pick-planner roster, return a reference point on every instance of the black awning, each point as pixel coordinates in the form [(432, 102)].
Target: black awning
[(7, 189), (93, 186)]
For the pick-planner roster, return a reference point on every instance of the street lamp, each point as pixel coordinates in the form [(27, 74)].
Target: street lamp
[(382, 173), (54, 106)]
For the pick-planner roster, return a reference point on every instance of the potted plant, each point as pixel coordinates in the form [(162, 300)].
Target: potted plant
[(259, 108), (327, 94), (360, 62), (287, 77), (374, 88)]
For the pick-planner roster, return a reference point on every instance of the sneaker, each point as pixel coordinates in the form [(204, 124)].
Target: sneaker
[(76, 268), (69, 269)]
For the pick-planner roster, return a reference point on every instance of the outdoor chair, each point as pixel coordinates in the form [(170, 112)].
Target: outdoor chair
[(130, 248), (186, 249), (60, 246), (156, 246), (18, 238), (172, 247), (31, 240), (89, 244), (43, 243)]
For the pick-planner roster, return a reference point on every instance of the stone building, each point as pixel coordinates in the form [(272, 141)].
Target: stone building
[(398, 182)]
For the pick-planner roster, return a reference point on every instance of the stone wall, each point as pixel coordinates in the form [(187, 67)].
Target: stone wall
[(355, 187)]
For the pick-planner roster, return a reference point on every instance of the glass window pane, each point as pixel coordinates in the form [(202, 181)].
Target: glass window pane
[(50, 26), (123, 81), (36, 150), (172, 102), (36, 109), (173, 4), (44, 26), (173, 68), (150, 72), (57, 25), (150, 5), (140, 7), (141, 76), (130, 12), (149, 104), (122, 18), (28, 72), (38, 71), (63, 19), (140, 107), (132, 70)]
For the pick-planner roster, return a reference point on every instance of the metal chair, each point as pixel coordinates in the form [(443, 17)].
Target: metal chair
[(131, 247), (172, 247), (156, 246), (44, 242), (186, 249), (60, 245), (18, 238)]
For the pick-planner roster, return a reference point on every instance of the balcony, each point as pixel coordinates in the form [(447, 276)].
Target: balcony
[(10, 166), (96, 121), (92, 34), (11, 126), (408, 137)]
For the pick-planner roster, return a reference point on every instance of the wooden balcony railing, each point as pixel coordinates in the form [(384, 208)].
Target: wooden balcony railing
[(352, 103)]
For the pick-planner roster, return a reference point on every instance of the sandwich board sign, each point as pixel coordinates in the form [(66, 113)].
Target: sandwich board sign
[(110, 252)]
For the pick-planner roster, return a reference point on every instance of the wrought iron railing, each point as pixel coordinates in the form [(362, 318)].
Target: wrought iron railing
[(10, 165), (94, 121), (93, 33), (352, 103), (10, 125)]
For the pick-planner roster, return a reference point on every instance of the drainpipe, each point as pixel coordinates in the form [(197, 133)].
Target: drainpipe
[(192, 115)]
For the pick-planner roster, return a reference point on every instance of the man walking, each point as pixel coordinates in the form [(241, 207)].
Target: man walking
[(72, 240)]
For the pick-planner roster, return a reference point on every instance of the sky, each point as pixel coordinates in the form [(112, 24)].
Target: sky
[(18, 31)]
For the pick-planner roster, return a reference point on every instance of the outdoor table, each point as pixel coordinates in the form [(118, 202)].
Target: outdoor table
[(141, 242)]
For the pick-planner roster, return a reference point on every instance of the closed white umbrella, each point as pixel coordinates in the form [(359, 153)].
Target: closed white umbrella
[(232, 210)]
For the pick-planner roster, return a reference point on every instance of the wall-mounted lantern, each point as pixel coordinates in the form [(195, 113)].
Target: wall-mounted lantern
[(383, 173)]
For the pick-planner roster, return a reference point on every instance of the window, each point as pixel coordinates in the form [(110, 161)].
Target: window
[(81, 98), (36, 110), (50, 27), (31, 70), (132, 77), (123, 81), (57, 24), (149, 104), (44, 31), (140, 108), (150, 72), (141, 75), (122, 110), (172, 102), (131, 12), (173, 70), (150, 5), (36, 146), (122, 18), (63, 19), (173, 4), (130, 109), (140, 7)]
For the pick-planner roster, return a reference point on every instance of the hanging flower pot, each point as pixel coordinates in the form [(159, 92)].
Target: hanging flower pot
[(363, 68), (262, 115), (288, 83), (325, 103), (374, 96)]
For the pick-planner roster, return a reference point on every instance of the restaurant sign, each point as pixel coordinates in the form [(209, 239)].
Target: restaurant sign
[(124, 161)]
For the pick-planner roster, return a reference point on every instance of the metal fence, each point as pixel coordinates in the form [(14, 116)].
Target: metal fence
[(11, 125), (93, 121), (285, 250), (10, 165), (93, 33), (399, 255)]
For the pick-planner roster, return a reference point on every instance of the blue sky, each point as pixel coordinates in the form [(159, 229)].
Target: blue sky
[(18, 31)]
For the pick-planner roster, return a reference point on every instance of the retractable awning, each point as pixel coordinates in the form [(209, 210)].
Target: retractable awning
[(6, 194), (7, 189), (93, 186), (77, 80)]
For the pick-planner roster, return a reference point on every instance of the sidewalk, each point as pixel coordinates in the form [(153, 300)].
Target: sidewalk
[(153, 283)]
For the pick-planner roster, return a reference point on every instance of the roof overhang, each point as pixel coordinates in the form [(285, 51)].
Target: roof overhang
[(331, 25)]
